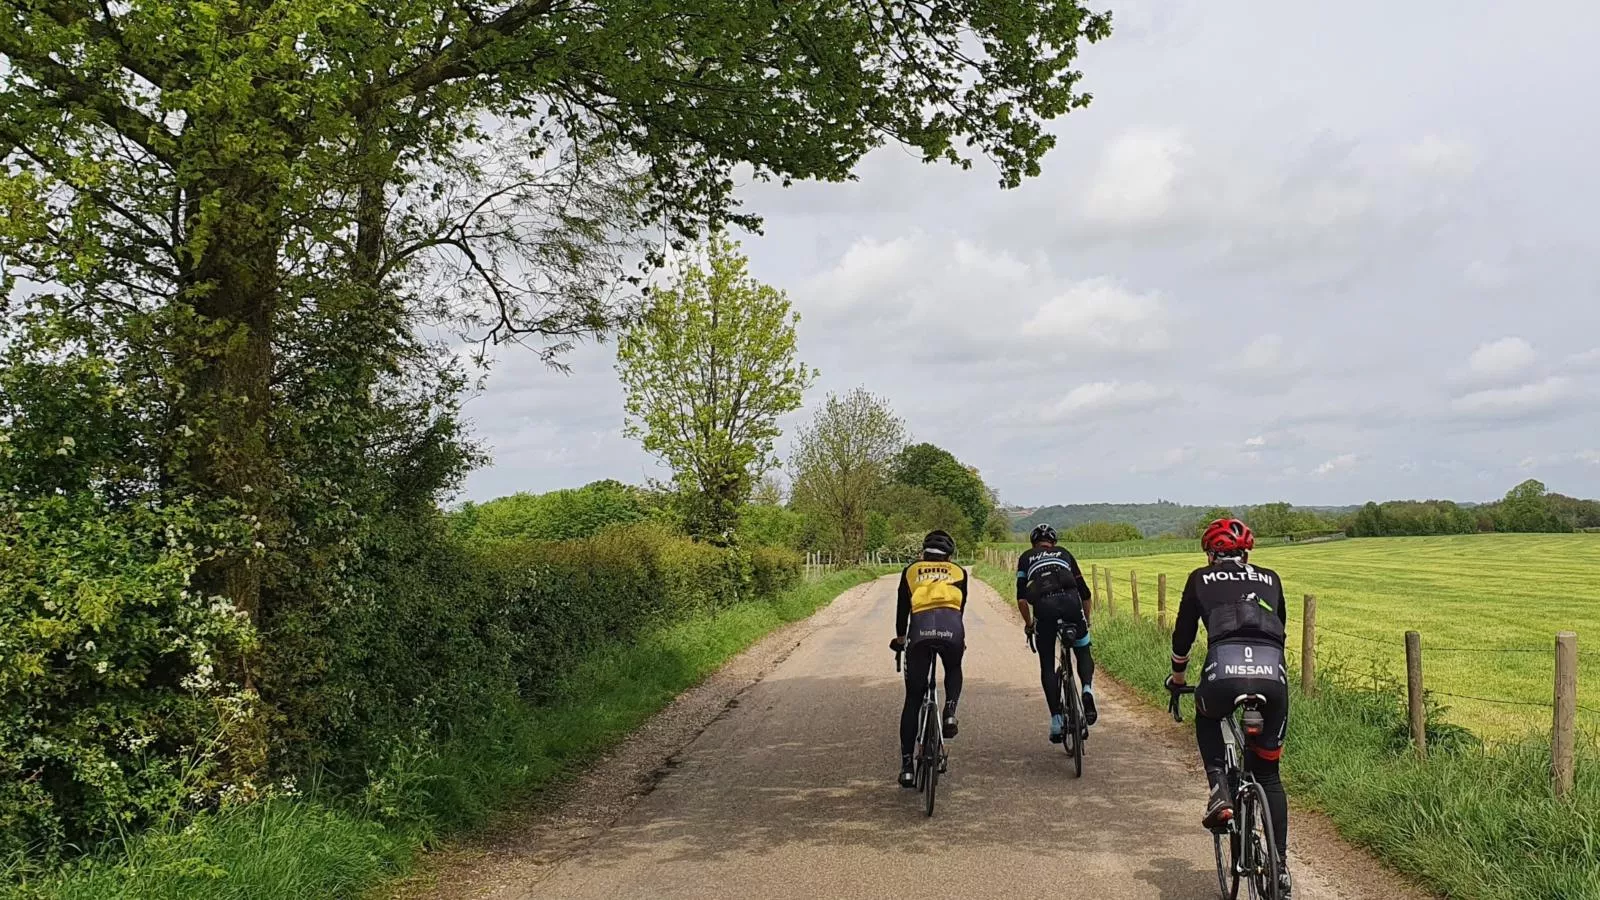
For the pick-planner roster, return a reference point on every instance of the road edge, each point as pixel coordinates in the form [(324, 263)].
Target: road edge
[(525, 843)]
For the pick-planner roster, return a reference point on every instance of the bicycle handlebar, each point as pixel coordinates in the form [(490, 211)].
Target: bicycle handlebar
[(897, 660), (1177, 691)]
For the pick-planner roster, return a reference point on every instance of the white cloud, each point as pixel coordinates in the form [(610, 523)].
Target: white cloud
[(1337, 464), (1137, 178), (1442, 156), (1100, 398), (1504, 358), (1507, 403), (1586, 360), (1101, 313), (1263, 354), (1486, 275), (1592, 457), (1257, 441)]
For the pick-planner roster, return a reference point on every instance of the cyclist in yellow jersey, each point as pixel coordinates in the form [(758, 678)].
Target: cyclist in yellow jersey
[(933, 597)]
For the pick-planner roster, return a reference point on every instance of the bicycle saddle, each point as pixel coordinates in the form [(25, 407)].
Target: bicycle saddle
[(1253, 720)]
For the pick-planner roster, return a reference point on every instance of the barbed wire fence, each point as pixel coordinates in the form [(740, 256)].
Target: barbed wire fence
[(1399, 665)]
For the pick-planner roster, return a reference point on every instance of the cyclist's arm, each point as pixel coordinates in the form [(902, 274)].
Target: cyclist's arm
[(1283, 606), (1022, 591), (1083, 586), (902, 609), (1186, 628)]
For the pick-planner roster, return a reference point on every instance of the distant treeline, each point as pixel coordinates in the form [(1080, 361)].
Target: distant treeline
[(1528, 507)]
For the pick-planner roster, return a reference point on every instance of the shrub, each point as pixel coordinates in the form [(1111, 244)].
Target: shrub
[(557, 516), (113, 703)]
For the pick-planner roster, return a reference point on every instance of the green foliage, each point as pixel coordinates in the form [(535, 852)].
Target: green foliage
[(1197, 527), (1164, 518), (935, 469), (770, 525), (556, 516), (840, 461), (1100, 533), (907, 513), (708, 371), (1398, 517), (111, 709), (300, 846)]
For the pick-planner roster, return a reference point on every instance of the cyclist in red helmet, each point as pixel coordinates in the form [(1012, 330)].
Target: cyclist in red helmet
[(1243, 609)]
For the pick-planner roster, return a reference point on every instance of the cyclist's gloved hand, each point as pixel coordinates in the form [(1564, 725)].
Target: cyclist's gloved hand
[(1030, 629), (1175, 680), (897, 644)]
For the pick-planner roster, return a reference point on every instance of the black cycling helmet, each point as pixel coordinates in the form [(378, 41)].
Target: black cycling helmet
[(1042, 532), (940, 544)]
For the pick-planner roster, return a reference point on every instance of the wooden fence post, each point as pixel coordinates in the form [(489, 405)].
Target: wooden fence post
[(1308, 647), (1161, 600), (1133, 582), (1562, 741), (1111, 598), (1419, 731)]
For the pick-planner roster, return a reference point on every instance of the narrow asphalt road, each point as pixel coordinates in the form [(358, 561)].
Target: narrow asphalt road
[(790, 793)]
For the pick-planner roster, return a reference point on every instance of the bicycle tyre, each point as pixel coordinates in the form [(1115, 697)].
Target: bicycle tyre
[(933, 736), (1075, 703), (1261, 847), (1227, 880)]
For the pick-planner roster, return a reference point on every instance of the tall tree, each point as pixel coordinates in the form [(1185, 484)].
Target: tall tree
[(197, 177), (842, 458), (708, 370), (936, 469)]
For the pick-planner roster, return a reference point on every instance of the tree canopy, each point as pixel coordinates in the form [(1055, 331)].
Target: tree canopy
[(708, 370)]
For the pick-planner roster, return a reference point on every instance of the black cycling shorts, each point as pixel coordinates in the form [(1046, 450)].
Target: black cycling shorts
[(1235, 670)]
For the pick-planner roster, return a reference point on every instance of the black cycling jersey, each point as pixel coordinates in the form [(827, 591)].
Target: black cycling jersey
[(1042, 571), (1236, 601)]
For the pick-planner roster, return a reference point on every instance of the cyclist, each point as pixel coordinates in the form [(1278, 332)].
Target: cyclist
[(1050, 591), (1246, 618), (928, 620)]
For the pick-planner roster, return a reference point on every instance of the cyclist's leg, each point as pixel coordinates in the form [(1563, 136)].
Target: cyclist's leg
[(1045, 639), (1083, 654), (951, 655), (1213, 702), (916, 685), (1265, 753)]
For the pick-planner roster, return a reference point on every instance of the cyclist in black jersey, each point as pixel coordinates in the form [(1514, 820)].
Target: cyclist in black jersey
[(1246, 617), (928, 620), (1050, 591)]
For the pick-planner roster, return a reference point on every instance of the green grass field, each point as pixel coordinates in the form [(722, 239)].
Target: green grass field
[(1487, 606), (1121, 549)]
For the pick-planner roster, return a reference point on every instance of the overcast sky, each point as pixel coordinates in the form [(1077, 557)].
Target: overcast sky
[(1321, 253)]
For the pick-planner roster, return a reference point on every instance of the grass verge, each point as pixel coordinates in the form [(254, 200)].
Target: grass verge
[(309, 846), (1469, 822)]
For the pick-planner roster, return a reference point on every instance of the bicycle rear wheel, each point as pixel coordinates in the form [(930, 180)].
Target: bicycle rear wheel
[(1258, 845), (1072, 734), (932, 739)]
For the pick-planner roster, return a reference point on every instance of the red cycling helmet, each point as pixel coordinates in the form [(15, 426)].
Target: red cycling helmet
[(1227, 536)]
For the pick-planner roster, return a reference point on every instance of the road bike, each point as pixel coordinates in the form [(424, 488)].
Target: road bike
[(1074, 726), (1252, 858), (929, 758)]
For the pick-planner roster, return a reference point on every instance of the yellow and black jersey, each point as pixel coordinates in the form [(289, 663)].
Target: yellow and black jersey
[(927, 585)]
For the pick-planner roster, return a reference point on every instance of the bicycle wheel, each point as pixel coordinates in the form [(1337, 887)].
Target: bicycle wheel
[(1073, 703), (1227, 875), (932, 738), (1261, 865)]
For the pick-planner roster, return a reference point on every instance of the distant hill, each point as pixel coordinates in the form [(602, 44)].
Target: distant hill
[(1152, 519)]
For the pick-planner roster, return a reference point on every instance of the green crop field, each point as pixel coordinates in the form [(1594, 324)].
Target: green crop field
[(1487, 606)]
